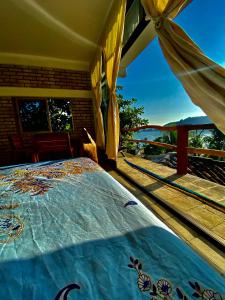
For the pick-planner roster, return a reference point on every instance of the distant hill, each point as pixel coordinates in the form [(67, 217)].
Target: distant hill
[(191, 121)]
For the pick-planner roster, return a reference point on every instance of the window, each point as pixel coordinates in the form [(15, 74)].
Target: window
[(33, 115), (45, 115), (135, 23)]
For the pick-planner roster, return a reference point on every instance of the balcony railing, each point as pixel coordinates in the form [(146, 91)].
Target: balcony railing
[(181, 148)]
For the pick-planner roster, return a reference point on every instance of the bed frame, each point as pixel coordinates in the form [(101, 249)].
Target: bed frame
[(48, 143)]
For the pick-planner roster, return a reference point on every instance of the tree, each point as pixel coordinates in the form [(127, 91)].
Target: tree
[(215, 141), (168, 138), (33, 115), (60, 115), (196, 140), (154, 150), (130, 117)]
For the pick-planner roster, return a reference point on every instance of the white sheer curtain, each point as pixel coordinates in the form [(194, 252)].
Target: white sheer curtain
[(202, 78)]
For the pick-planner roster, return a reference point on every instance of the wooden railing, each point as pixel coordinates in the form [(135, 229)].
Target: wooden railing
[(181, 148)]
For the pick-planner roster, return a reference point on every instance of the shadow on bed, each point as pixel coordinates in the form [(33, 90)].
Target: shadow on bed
[(98, 269)]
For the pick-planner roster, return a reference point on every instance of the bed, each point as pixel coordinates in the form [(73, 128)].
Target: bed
[(68, 230)]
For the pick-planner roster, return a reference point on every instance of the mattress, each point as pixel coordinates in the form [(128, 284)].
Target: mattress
[(68, 230)]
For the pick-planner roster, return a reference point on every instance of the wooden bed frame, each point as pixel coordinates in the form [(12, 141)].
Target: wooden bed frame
[(48, 143)]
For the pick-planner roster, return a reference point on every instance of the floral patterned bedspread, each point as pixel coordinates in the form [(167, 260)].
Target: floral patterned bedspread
[(68, 230)]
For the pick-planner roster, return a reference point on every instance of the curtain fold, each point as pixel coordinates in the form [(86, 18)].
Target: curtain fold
[(202, 78), (112, 45), (96, 87)]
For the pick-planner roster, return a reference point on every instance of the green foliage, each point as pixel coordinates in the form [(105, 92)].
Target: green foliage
[(169, 138), (153, 150), (131, 148), (130, 117), (196, 140), (60, 115), (216, 141), (33, 115)]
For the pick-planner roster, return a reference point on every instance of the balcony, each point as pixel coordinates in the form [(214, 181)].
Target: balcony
[(193, 207), (198, 223)]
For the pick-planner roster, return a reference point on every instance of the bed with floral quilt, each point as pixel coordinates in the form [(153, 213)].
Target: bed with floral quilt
[(68, 230)]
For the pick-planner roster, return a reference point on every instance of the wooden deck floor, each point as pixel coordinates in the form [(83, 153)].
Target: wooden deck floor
[(208, 217), (205, 187)]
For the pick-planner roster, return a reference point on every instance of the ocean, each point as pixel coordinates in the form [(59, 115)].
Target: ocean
[(152, 134), (149, 134)]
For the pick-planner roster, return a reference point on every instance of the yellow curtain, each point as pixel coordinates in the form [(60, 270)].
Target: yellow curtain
[(112, 50), (96, 86), (202, 78)]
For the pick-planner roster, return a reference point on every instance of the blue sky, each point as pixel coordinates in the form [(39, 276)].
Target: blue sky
[(149, 78)]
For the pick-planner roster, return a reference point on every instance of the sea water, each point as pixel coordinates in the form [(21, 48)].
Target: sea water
[(152, 134)]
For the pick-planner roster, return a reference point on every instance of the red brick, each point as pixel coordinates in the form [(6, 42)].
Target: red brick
[(18, 75)]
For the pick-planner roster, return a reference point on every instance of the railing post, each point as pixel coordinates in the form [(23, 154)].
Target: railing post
[(182, 154)]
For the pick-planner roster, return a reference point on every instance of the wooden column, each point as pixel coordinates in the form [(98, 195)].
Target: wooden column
[(182, 154)]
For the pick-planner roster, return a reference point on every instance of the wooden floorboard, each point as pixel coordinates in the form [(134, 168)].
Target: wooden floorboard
[(209, 217), (213, 220)]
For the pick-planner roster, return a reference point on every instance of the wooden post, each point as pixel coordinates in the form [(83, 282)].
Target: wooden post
[(182, 154)]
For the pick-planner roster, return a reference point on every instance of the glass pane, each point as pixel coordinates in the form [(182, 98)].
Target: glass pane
[(33, 115), (133, 17), (60, 115)]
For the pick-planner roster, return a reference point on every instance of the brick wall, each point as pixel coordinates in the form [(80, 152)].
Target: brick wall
[(83, 117), (8, 126), (40, 77)]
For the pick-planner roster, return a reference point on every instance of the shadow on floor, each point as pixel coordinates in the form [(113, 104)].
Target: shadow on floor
[(159, 184)]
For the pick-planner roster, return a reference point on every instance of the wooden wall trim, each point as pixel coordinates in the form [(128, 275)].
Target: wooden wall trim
[(42, 92)]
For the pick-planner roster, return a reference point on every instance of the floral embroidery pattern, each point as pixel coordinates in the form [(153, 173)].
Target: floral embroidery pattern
[(210, 295), (144, 282), (9, 206), (11, 227), (199, 292), (37, 181), (63, 293), (162, 289), (32, 185), (131, 202)]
